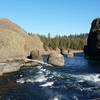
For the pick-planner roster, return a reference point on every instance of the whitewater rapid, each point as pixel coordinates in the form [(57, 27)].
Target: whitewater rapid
[(47, 78)]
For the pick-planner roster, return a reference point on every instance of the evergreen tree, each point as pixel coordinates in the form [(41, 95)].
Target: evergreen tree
[(68, 42)]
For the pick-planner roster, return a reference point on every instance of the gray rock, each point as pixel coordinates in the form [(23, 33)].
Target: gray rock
[(1, 68), (11, 66), (70, 55), (56, 59), (36, 55), (15, 43)]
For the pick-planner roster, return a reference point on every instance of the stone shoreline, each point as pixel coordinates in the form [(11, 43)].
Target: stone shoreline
[(12, 65), (16, 64)]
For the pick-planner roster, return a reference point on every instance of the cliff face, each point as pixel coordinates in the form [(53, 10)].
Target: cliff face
[(92, 49), (15, 42)]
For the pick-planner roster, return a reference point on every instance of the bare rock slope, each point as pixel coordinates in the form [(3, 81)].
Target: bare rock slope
[(15, 42)]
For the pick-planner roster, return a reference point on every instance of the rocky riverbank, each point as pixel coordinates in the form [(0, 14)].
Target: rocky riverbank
[(15, 45), (55, 58), (19, 49)]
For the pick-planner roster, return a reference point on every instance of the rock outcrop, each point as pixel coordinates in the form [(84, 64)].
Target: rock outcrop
[(56, 59), (15, 42), (92, 49)]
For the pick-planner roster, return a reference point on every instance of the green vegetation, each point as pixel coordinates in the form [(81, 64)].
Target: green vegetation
[(76, 42)]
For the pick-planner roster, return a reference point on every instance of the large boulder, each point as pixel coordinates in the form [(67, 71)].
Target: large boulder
[(69, 53), (92, 49), (15, 46), (33, 43), (15, 42), (56, 59)]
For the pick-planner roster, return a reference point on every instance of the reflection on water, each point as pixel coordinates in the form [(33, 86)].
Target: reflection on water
[(79, 79)]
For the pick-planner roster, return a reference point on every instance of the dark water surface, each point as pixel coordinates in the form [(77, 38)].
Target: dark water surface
[(79, 79)]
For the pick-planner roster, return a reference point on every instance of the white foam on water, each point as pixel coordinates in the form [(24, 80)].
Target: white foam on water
[(57, 74), (21, 80), (39, 77), (87, 77), (21, 75), (39, 67), (47, 84), (43, 70), (75, 98), (56, 97)]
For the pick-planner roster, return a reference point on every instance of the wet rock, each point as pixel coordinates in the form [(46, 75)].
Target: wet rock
[(56, 59), (92, 49)]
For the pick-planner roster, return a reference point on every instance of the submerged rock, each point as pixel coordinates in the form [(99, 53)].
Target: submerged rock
[(56, 59), (92, 49)]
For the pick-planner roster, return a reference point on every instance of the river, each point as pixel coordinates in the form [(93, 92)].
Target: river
[(79, 79)]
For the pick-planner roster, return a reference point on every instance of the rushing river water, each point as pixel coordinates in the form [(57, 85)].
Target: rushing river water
[(79, 79)]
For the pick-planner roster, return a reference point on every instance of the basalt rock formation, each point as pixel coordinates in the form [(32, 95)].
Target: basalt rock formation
[(92, 49)]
